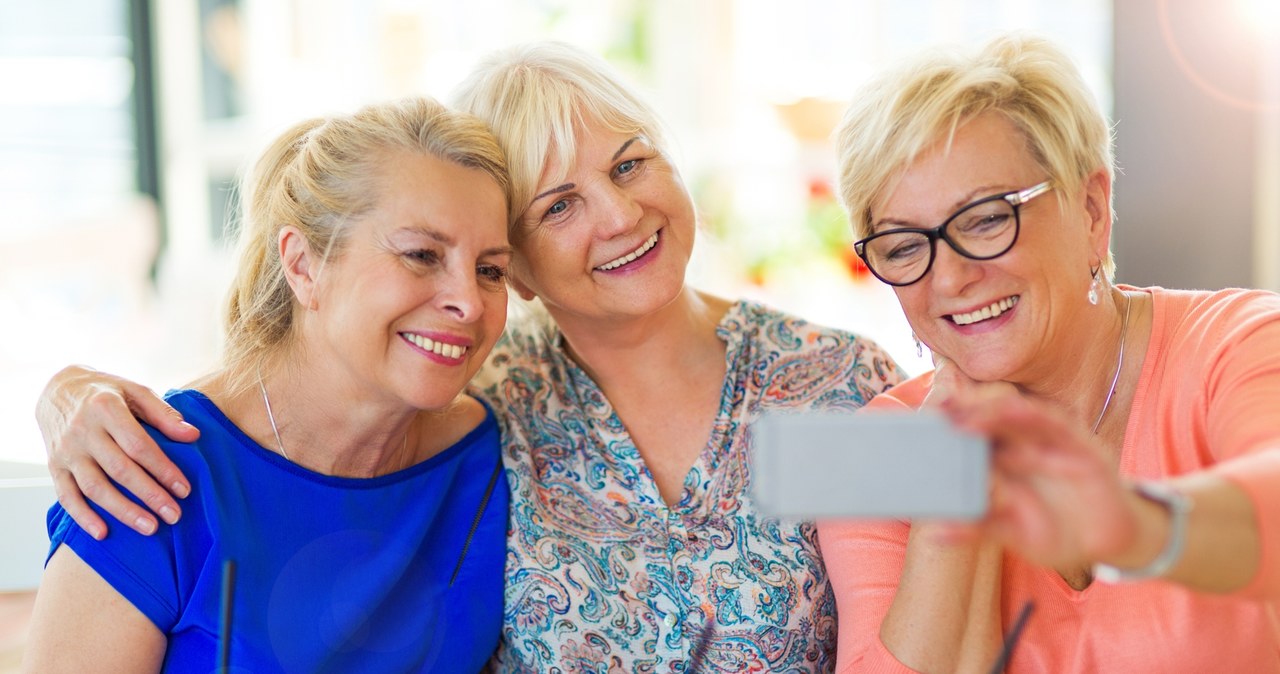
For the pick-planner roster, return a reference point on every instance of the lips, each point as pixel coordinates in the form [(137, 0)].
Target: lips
[(632, 256), (985, 313)]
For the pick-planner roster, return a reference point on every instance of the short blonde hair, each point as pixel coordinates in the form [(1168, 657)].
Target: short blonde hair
[(904, 111), (536, 97), (315, 176)]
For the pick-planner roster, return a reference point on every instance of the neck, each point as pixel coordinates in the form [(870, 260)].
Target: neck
[(660, 346), (324, 425), (1080, 379)]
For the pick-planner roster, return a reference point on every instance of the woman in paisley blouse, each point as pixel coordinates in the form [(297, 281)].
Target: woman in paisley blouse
[(624, 395)]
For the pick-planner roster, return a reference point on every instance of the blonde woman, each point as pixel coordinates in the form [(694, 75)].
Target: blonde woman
[(1136, 472), (339, 465)]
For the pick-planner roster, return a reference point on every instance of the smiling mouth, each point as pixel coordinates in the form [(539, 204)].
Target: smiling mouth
[(439, 348), (632, 256), (988, 312)]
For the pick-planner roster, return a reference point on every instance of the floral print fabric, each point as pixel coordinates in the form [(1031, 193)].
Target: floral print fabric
[(603, 576)]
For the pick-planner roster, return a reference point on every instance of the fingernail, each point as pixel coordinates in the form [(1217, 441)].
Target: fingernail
[(145, 525), (188, 426), (96, 533), (180, 490), (169, 514)]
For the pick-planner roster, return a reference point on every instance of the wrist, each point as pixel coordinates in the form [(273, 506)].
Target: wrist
[(1161, 512)]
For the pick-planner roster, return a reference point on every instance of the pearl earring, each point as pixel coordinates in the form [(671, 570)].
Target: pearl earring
[(1095, 286)]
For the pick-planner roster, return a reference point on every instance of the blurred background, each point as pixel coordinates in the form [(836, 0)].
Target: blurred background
[(123, 125)]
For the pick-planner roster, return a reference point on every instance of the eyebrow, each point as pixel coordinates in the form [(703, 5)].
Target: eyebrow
[(625, 146), (972, 196), (556, 190), (447, 240), (568, 186)]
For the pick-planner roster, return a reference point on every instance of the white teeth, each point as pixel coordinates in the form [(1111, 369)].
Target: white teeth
[(439, 348), (631, 257), (990, 311)]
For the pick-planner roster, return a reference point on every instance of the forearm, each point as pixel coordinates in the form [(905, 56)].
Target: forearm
[(1223, 546), (945, 615)]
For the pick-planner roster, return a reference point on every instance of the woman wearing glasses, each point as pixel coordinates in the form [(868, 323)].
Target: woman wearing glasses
[(1136, 465)]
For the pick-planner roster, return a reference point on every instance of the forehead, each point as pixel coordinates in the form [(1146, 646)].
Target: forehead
[(424, 190), (985, 153)]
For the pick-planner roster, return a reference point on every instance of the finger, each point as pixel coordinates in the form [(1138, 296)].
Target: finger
[(96, 487), (69, 497), (129, 467), (124, 449), (149, 407)]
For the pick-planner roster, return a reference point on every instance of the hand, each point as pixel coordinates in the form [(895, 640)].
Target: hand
[(87, 420), (1056, 498)]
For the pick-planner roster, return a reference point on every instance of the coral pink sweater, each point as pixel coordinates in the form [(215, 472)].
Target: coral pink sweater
[(1208, 400)]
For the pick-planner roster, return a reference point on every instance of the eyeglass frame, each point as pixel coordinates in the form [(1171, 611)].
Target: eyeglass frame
[(1015, 199)]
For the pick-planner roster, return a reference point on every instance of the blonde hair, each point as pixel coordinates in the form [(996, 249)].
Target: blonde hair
[(536, 97), (314, 177), (904, 111)]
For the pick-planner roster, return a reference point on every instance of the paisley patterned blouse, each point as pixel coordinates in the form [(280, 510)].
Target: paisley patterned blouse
[(602, 576)]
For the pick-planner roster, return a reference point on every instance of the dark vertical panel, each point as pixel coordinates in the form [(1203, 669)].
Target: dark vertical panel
[(144, 115), (1184, 142)]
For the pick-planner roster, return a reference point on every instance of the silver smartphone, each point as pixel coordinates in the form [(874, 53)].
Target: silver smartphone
[(868, 465)]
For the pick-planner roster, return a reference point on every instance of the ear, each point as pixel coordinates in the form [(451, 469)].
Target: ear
[(1097, 208), (299, 264)]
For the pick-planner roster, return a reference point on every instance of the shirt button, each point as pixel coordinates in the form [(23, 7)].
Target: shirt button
[(670, 620)]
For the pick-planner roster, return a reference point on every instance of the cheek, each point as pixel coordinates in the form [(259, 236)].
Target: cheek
[(915, 304)]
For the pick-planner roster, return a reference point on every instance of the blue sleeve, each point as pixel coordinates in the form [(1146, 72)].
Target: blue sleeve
[(141, 568)]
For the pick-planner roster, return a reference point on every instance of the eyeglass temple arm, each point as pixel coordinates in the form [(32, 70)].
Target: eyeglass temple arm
[(1019, 198)]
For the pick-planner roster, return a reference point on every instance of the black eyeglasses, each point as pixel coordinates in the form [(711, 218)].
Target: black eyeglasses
[(982, 230)]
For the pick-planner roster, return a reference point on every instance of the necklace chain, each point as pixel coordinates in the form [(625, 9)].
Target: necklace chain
[(272, 417), (404, 442), (1106, 404)]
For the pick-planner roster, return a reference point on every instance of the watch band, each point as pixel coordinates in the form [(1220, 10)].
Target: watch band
[(1179, 506)]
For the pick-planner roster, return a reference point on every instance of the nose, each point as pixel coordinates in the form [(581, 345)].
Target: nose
[(619, 211), (460, 297), (952, 272)]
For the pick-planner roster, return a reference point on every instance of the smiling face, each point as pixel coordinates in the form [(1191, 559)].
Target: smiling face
[(996, 319), (414, 302), (609, 236)]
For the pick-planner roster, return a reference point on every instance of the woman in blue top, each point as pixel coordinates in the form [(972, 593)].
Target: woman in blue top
[(339, 464)]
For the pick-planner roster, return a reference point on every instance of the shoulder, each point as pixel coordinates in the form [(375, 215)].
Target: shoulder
[(779, 330), (1196, 321)]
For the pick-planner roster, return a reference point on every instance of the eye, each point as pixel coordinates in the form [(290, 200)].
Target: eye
[(424, 256), (491, 273), (558, 207), (627, 167)]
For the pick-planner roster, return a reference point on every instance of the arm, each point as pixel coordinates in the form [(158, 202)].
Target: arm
[(87, 420), (1044, 468), (81, 624)]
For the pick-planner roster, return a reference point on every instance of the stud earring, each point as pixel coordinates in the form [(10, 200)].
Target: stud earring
[(1095, 286)]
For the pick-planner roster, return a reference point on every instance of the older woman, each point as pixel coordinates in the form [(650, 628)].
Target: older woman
[(339, 464), (625, 399), (1136, 474)]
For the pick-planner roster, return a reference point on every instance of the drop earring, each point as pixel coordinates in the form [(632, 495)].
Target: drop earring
[(919, 346), (1095, 285)]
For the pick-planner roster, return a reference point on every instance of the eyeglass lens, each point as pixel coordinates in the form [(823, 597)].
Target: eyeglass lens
[(981, 231)]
